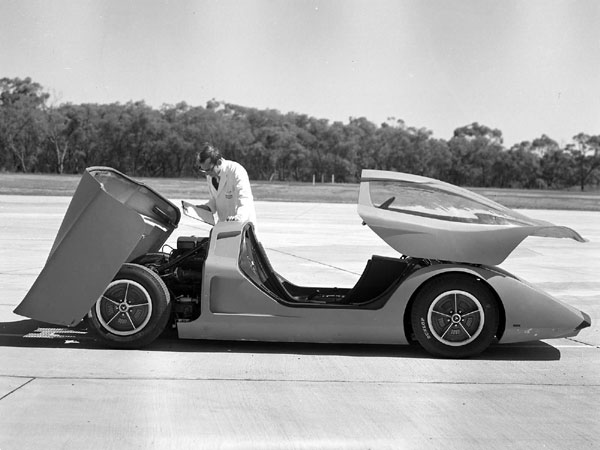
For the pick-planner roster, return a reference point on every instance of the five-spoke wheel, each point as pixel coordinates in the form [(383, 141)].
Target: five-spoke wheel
[(125, 307), (133, 310), (455, 316)]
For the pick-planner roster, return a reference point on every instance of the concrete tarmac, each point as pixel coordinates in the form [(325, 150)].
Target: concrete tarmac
[(59, 389)]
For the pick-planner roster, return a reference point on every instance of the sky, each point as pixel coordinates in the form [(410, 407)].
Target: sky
[(526, 67)]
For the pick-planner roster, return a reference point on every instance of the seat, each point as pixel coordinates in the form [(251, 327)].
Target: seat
[(379, 274)]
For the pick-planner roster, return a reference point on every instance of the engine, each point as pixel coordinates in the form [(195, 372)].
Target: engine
[(183, 275), (186, 264), (181, 270)]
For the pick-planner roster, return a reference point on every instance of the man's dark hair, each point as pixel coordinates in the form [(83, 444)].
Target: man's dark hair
[(208, 151)]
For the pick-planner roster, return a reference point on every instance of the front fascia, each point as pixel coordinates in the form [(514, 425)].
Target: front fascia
[(533, 314), (529, 312)]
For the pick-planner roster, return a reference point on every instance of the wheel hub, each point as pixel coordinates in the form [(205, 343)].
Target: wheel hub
[(456, 318), (125, 308)]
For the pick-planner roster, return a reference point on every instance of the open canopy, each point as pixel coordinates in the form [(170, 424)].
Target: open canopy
[(427, 218)]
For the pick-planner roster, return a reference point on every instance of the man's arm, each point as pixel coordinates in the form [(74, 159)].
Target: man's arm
[(212, 202), (244, 194)]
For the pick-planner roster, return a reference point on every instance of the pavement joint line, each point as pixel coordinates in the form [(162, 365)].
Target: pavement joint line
[(313, 261), (277, 380), (582, 346), (18, 387), (303, 213), (582, 343)]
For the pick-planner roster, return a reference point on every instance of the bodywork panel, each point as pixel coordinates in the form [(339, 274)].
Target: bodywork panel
[(529, 312), (234, 308), (110, 220), (427, 218)]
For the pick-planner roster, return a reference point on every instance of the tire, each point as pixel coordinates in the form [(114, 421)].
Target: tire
[(455, 316), (133, 310)]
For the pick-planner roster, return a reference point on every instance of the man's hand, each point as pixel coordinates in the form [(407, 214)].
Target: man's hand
[(185, 205), (233, 219)]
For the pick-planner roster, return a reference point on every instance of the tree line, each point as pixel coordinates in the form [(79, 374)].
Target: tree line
[(139, 140)]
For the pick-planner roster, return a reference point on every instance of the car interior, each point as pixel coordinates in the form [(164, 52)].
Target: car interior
[(372, 290)]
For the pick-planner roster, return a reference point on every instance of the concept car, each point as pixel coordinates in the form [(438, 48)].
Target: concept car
[(108, 266)]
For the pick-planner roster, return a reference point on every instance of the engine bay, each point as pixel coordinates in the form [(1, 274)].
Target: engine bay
[(181, 270)]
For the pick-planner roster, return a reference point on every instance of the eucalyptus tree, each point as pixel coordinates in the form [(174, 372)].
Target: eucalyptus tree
[(586, 156), (265, 138), (437, 159), (416, 158), (558, 168), (388, 152), (21, 117), (524, 169), (474, 148), (177, 139), (555, 164), (320, 137), (62, 127), (85, 150), (357, 143)]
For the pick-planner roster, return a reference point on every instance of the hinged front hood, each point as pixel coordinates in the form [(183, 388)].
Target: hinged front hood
[(111, 220), (427, 218)]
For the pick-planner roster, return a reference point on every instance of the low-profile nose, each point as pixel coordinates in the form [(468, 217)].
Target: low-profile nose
[(587, 321)]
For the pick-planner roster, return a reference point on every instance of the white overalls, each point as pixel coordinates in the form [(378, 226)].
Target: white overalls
[(234, 196)]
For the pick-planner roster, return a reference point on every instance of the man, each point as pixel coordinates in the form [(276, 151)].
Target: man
[(228, 186)]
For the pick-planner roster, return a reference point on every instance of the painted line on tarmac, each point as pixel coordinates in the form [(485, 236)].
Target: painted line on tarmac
[(582, 343), (313, 261)]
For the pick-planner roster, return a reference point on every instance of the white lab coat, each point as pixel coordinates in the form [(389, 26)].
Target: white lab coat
[(234, 196)]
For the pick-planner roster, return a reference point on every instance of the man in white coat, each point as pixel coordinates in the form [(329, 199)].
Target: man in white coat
[(228, 186)]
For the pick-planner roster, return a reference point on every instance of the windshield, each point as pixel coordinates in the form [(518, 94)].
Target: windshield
[(430, 201), (427, 218)]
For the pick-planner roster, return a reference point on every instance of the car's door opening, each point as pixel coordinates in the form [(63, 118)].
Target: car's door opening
[(372, 290)]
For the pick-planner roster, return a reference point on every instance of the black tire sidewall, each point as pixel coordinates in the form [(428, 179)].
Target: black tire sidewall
[(161, 310), (430, 292)]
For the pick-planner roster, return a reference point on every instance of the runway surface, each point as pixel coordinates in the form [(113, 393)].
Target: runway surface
[(59, 389)]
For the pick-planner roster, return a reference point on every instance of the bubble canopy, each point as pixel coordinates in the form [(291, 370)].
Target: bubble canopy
[(427, 218)]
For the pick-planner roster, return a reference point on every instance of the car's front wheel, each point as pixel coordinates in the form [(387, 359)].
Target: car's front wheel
[(455, 316), (133, 310)]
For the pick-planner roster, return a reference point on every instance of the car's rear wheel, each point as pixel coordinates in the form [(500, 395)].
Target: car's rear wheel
[(455, 316), (133, 310)]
